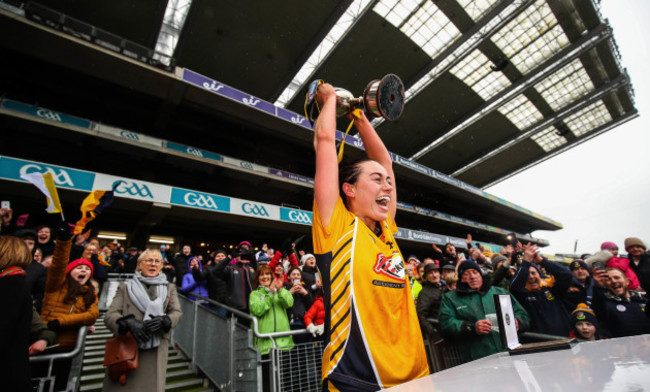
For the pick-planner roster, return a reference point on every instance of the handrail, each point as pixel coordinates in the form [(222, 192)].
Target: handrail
[(254, 320), (68, 354)]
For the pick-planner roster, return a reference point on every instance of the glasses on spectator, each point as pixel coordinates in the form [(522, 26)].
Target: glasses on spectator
[(153, 261)]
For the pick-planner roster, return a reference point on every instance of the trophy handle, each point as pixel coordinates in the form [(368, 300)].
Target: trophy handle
[(384, 98)]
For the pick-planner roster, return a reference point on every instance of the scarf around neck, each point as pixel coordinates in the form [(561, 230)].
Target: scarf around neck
[(151, 308), (12, 271)]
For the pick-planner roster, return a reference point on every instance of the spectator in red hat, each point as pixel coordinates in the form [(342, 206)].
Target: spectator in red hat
[(70, 300)]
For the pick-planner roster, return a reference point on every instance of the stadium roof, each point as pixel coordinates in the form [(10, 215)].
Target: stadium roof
[(492, 87)]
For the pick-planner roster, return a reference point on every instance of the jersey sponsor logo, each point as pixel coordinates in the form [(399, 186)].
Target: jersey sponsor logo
[(388, 284), (393, 267)]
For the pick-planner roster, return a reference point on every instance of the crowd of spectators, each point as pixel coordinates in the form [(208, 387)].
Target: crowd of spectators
[(598, 296)]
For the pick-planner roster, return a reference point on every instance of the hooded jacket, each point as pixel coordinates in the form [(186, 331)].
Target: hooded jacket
[(190, 285), (73, 315), (460, 309), (544, 306), (239, 279), (271, 313)]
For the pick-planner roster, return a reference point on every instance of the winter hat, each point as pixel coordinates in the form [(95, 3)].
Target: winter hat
[(607, 245), (468, 264), (430, 267), (583, 313), (189, 262), (221, 251), (601, 256), (263, 259), (497, 259), (245, 243), (634, 241), (304, 258), (448, 266), (577, 263), (415, 258), (74, 264)]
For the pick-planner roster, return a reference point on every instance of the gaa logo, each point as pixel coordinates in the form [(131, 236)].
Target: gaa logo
[(199, 200), (246, 165), (300, 217), (48, 115), (130, 135), (133, 189), (194, 151), (297, 119), (253, 209), (60, 178)]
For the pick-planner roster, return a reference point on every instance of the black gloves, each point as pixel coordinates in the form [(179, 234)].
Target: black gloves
[(247, 255), (158, 323), (62, 232), (286, 246), (136, 327), (53, 325)]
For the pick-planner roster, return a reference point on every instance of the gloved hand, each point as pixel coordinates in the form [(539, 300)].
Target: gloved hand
[(320, 329), (54, 325), (313, 330), (63, 232), (136, 327), (158, 323)]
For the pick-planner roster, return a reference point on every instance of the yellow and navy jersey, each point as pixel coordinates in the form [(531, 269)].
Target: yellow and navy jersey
[(373, 331)]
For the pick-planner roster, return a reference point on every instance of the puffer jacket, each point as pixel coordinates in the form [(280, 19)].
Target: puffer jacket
[(316, 314), (71, 316), (192, 286), (460, 309), (271, 313)]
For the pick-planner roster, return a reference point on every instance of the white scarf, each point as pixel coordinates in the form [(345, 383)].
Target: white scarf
[(140, 298)]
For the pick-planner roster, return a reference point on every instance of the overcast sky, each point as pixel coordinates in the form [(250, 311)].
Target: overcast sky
[(600, 190)]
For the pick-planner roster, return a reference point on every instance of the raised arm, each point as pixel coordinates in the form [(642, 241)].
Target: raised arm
[(377, 151), (326, 180)]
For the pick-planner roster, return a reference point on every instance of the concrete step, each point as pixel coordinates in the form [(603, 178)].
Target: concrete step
[(175, 374), (99, 368), (176, 386)]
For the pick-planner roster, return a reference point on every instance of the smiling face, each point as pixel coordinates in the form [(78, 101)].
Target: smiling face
[(581, 274), (279, 269), (473, 279), (534, 280), (264, 279), (81, 274), (295, 274), (187, 250), (451, 250), (434, 277), (635, 250), (586, 329), (43, 235), (38, 256), (617, 283), (370, 196)]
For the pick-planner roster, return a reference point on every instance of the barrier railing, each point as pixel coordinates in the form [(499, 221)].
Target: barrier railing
[(75, 367)]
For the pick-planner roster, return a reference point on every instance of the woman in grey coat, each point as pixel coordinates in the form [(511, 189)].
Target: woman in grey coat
[(147, 306)]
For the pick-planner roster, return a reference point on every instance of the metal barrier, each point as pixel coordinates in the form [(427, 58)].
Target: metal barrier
[(75, 367), (222, 348), (443, 354)]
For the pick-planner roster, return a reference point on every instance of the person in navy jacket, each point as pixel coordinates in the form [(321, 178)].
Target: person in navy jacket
[(542, 294)]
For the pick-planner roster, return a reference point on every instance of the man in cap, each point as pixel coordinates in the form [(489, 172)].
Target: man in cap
[(639, 260), (463, 313), (581, 289)]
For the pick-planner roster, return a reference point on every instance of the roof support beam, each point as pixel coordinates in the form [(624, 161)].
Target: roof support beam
[(461, 48), (564, 57), (599, 93), (602, 129)]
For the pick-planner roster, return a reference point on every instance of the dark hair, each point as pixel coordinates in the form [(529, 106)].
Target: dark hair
[(294, 268), (261, 270), (75, 289), (349, 173)]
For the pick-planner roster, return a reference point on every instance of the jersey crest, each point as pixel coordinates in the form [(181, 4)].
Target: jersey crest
[(393, 267)]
